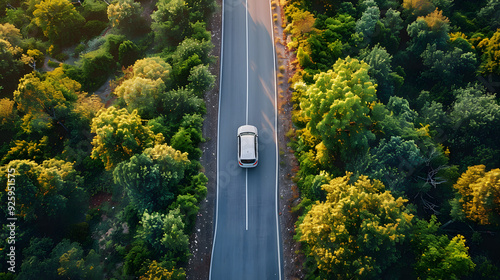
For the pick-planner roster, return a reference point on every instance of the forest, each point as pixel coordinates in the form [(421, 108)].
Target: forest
[(101, 111), (396, 128)]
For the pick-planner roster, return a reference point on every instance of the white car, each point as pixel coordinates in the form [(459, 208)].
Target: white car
[(248, 146)]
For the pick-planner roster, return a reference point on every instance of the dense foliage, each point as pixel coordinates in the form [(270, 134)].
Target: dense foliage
[(101, 115), (393, 93)]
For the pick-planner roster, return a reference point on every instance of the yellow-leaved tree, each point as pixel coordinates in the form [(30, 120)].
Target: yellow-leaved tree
[(156, 271), (418, 7), (59, 21), (146, 89), (491, 54), (479, 195), (119, 136), (356, 232)]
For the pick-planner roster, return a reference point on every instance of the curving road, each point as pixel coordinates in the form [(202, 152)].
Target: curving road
[(246, 235)]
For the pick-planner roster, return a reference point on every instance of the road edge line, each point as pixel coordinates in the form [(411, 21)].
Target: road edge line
[(278, 239), (218, 145)]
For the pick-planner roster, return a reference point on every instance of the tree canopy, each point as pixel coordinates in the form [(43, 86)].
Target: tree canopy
[(152, 178), (337, 108), (479, 195), (119, 136), (357, 230), (59, 21), (48, 189)]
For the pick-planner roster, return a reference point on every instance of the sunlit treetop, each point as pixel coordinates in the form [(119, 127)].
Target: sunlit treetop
[(59, 20), (338, 107), (356, 231), (119, 135), (491, 54), (480, 194), (6, 110), (153, 68), (436, 21), (418, 7)]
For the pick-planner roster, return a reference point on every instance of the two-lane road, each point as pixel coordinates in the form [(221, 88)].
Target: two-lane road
[(246, 235)]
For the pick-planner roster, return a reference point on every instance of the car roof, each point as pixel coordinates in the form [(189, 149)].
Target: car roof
[(247, 128), (247, 146)]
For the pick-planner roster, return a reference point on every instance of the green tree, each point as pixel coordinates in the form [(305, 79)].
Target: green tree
[(44, 192), (189, 136), (143, 95), (11, 66), (368, 21), (200, 79), (200, 10), (200, 31), (438, 257), (180, 102), (65, 261), (188, 206), (170, 21), (387, 31), (95, 10), (356, 232), (95, 68), (182, 70), (151, 179), (380, 69), (474, 123), (336, 38), (394, 162), (165, 234), (112, 45), (190, 47), (136, 259), (431, 29), (490, 14), (125, 14), (433, 114), (448, 67), (338, 109), (59, 20), (182, 141), (311, 186), (128, 53), (393, 21), (478, 195), (119, 135), (197, 187), (37, 262), (17, 17)]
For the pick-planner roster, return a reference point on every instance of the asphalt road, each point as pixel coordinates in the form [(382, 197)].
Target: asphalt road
[(246, 233)]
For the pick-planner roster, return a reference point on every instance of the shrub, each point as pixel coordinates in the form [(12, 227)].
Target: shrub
[(93, 28), (96, 66), (128, 53)]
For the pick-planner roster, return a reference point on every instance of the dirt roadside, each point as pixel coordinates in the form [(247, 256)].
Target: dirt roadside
[(201, 239)]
